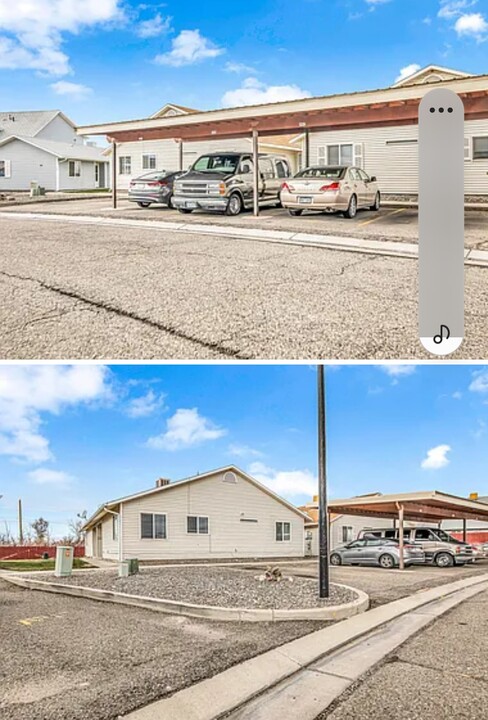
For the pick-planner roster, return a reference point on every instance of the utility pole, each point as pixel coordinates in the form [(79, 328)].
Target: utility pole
[(21, 532), (323, 515)]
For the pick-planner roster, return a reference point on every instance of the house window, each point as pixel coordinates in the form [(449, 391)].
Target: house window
[(115, 527), (283, 532), (125, 165), (346, 533), (74, 169), (480, 148), (3, 168), (149, 162), (339, 154), (153, 526), (197, 525)]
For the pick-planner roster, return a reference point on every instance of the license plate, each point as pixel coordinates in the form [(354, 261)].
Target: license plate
[(191, 205), (305, 200)]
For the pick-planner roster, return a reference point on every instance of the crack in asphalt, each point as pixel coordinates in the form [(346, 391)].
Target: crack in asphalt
[(174, 332)]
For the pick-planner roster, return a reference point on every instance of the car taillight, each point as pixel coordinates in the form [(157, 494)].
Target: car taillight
[(287, 187), (157, 183), (331, 186)]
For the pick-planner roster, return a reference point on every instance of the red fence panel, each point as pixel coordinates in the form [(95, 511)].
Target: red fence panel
[(33, 552)]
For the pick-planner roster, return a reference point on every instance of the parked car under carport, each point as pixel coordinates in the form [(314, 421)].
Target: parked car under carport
[(153, 188)]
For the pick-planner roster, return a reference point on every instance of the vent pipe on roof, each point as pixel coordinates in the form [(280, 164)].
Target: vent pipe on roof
[(162, 482)]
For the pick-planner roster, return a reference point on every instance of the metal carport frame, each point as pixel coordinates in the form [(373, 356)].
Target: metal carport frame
[(430, 506)]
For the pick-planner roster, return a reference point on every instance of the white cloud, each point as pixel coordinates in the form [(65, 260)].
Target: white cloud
[(436, 458), (73, 90), (406, 71), (457, 395), (158, 25), (28, 391), (235, 67), (186, 428), (33, 30), (396, 371), (472, 25), (453, 8), (44, 476), (376, 2), (288, 483), (188, 48), (145, 404), (479, 382), (243, 451), (255, 92)]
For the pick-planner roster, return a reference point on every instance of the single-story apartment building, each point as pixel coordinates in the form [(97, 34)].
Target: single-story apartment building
[(220, 514), (376, 130), (135, 158), (43, 147), (342, 528)]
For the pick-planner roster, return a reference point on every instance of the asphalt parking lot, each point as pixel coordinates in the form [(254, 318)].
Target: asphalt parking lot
[(390, 223), (75, 290), (67, 657), (439, 674)]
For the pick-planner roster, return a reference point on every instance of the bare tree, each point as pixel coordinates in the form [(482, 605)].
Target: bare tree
[(41, 530), (75, 528)]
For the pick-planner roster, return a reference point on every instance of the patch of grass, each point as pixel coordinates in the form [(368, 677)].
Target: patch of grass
[(90, 190), (27, 565)]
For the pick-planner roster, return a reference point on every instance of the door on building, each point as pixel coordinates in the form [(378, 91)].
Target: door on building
[(97, 175), (97, 542)]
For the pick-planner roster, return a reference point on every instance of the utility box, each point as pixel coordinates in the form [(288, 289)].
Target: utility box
[(124, 568), (128, 567), (64, 561)]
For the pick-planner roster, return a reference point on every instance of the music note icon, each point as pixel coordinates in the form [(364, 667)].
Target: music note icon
[(439, 338)]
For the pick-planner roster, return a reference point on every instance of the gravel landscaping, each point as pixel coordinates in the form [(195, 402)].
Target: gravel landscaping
[(224, 587)]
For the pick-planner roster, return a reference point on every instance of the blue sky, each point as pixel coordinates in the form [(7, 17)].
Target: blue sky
[(72, 437), (103, 60)]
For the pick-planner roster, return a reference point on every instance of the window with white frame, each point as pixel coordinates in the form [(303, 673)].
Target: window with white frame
[(340, 154), (283, 532), (347, 532), (480, 148), (74, 169), (5, 168), (125, 165), (153, 526), (197, 525), (149, 162), (115, 527)]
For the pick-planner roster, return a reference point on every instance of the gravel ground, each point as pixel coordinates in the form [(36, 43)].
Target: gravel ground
[(225, 587)]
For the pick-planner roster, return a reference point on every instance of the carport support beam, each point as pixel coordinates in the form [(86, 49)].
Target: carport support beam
[(307, 147), (114, 174), (255, 159), (180, 154), (465, 533), (400, 536)]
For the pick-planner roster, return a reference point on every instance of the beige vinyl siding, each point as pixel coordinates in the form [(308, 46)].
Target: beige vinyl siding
[(89, 543), (86, 180), (110, 546), (225, 504), (27, 164), (391, 153)]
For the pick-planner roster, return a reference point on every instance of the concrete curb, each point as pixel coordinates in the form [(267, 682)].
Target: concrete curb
[(208, 612), (219, 695), (389, 248)]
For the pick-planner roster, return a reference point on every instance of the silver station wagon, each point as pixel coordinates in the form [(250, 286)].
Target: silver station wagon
[(376, 551), (331, 189)]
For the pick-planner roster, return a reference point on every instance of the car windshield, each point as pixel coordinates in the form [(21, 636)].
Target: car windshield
[(217, 163), (331, 173), (444, 536)]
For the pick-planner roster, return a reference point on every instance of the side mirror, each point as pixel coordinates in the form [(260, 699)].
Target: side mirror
[(373, 179)]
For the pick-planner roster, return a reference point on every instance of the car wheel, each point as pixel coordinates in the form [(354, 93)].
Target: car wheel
[(185, 211), (353, 208), (386, 561), (143, 204), (335, 559), (170, 203), (234, 206), (293, 212), (443, 560), (377, 203)]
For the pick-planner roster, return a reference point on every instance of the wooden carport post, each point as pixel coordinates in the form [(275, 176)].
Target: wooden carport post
[(114, 174), (307, 147), (400, 536), (180, 154), (255, 159), (465, 534)]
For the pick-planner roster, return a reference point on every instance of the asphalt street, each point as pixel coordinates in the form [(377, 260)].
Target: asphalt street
[(82, 291), (440, 674), (64, 657)]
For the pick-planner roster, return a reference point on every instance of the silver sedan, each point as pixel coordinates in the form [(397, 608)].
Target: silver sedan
[(330, 189), (384, 553)]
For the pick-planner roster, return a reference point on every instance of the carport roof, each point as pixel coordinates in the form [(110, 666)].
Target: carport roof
[(429, 506)]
